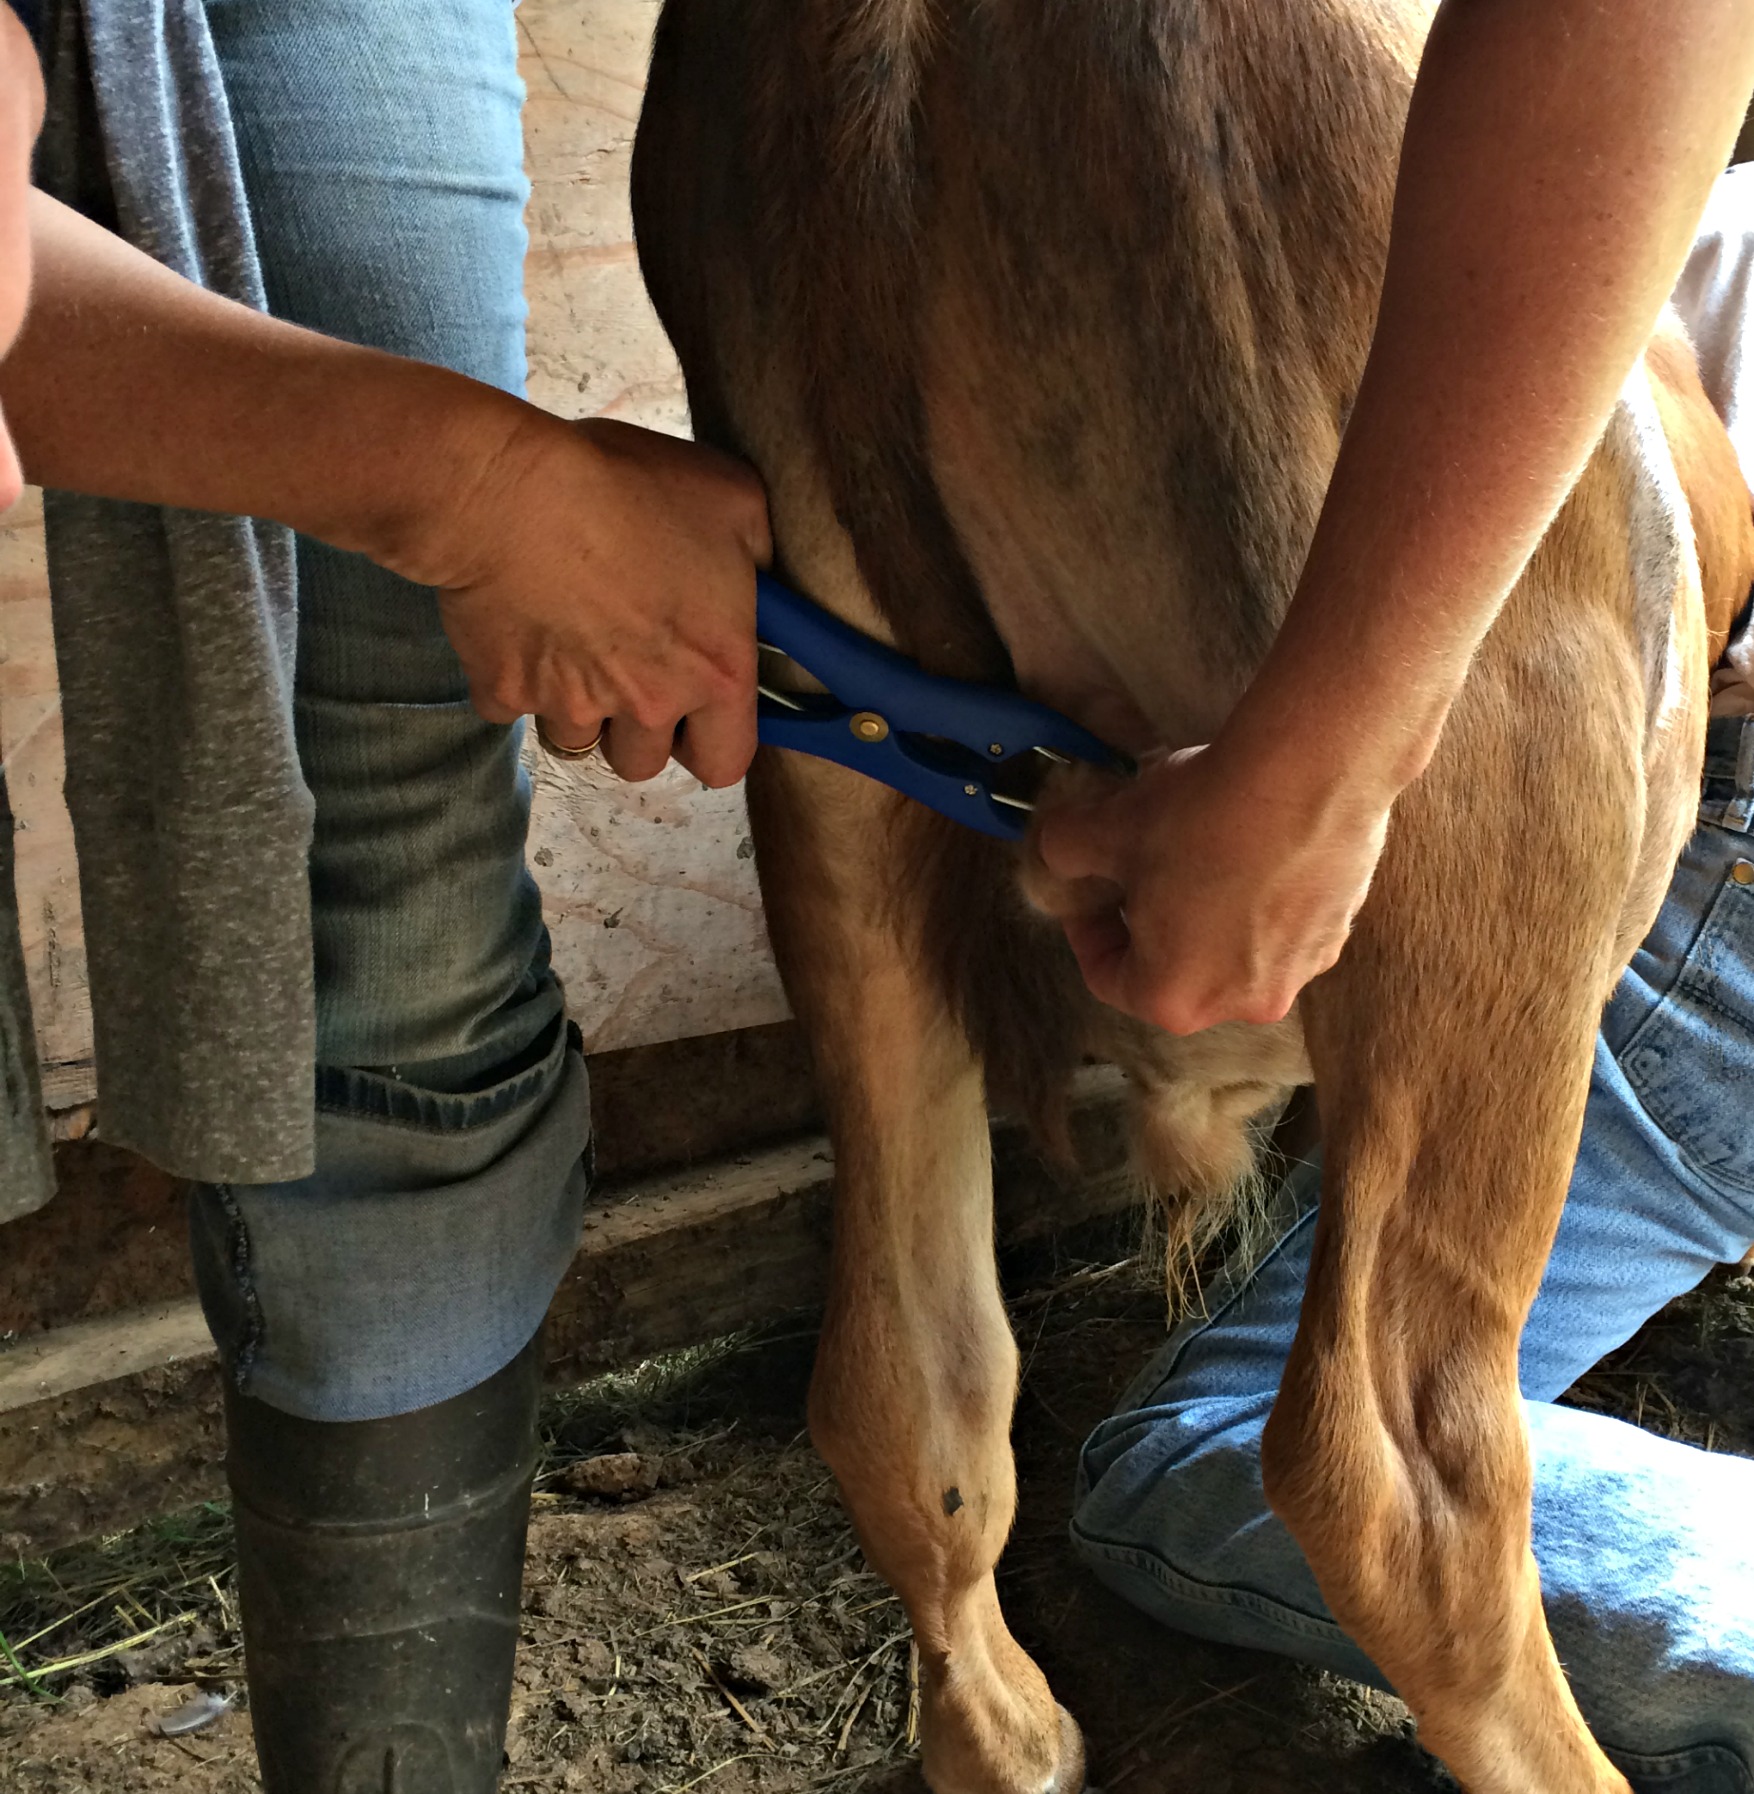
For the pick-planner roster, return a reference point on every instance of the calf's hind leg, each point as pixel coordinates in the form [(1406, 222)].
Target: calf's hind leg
[(1451, 1049), (916, 1371)]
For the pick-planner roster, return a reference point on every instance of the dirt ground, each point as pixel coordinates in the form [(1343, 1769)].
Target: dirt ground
[(697, 1613)]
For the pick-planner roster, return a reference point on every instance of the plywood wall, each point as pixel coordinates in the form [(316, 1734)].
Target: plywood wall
[(650, 889)]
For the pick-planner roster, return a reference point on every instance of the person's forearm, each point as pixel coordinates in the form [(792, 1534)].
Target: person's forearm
[(1556, 160), (129, 382), (597, 576)]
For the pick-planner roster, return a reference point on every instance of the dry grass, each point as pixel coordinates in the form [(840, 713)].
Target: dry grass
[(122, 1604), (721, 1632)]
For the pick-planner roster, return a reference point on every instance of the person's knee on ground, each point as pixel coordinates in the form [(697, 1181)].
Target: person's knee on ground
[(1647, 1568)]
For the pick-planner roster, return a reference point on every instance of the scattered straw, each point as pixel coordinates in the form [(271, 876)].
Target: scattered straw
[(717, 1768), (732, 1701)]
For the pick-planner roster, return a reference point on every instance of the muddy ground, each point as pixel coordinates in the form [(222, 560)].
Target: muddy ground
[(697, 1614)]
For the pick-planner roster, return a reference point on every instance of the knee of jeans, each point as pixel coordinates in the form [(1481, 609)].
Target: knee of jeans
[(1647, 1574), (417, 1259), (1172, 1517), (1179, 1481)]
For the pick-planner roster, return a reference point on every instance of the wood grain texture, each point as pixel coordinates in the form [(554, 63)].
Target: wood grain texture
[(115, 1237), (32, 759), (89, 1353)]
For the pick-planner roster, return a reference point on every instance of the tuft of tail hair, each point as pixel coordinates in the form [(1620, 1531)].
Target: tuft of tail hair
[(1191, 1228)]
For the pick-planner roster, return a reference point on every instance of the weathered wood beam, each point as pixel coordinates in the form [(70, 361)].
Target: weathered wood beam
[(116, 1237), (65, 1360), (104, 1422)]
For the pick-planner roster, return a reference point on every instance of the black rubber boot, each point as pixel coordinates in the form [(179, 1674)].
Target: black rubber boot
[(379, 1564)]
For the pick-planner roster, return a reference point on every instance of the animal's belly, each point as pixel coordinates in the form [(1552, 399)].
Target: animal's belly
[(1135, 357), (1085, 576), (1044, 586)]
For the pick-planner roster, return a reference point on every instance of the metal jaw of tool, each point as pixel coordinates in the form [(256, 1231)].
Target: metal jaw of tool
[(944, 742)]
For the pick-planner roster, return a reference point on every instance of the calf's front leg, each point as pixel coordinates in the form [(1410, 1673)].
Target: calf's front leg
[(916, 1372), (1452, 1048)]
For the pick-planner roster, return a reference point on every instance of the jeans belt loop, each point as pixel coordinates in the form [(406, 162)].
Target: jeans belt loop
[(1739, 811)]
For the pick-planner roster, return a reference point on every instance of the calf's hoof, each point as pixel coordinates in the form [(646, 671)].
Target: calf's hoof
[(987, 1735)]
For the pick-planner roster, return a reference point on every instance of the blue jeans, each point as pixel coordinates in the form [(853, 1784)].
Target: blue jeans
[(1645, 1548), (382, 150)]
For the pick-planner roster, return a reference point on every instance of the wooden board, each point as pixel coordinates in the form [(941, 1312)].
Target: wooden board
[(31, 756), (650, 890), (104, 1422), (116, 1238)]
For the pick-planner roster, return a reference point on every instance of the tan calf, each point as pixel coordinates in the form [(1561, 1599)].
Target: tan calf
[(1042, 322)]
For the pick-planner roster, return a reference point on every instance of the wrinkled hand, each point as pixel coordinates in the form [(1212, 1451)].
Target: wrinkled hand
[(602, 578), (1210, 890)]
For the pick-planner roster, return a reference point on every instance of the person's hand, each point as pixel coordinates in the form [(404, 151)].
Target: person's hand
[(1210, 889), (590, 574), (602, 578)]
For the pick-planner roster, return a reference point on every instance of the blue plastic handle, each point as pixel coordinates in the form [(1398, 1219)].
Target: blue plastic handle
[(942, 738)]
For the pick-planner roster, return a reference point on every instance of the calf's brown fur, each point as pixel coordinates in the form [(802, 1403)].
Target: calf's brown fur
[(1042, 323)]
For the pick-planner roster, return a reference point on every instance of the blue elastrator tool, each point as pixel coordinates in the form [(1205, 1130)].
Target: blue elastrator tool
[(943, 742)]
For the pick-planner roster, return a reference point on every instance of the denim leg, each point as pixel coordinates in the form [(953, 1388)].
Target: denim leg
[(383, 154), (1646, 1559), (1170, 1510), (418, 1260), (382, 150)]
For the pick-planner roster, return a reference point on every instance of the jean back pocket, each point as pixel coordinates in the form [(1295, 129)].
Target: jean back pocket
[(1691, 1060)]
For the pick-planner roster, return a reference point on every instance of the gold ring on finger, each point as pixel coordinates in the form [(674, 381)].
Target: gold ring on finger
[(559, 751)]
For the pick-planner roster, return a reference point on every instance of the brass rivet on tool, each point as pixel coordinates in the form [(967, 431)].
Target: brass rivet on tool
[(869, 726), (971, 791), (1743, 872)]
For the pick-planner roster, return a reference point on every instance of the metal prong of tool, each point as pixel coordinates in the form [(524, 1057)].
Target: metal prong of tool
[(785, 700)]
